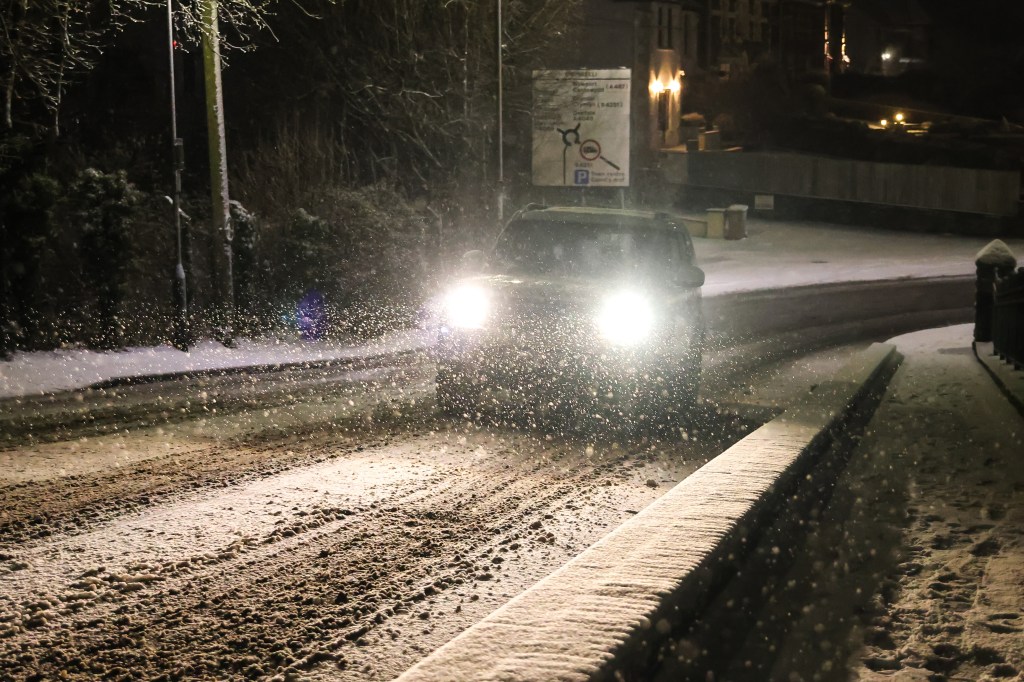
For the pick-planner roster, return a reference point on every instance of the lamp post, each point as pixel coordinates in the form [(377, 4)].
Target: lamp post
[(220, 200), (501, 124), (180, 331)]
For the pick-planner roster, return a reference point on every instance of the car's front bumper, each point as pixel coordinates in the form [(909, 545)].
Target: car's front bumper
[(538, 367)]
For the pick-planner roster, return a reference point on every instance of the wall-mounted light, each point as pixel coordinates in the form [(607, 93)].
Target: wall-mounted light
[(663, 92), (657, 87), (660, 93)]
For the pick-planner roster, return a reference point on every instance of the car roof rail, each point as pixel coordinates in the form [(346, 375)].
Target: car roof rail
[(666, 216), (532, 206)]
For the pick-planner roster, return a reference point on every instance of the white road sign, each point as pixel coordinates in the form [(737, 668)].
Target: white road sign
[(581, 128)]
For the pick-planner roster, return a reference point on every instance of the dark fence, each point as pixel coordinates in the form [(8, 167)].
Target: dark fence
[(964, 190), (1008, 319)]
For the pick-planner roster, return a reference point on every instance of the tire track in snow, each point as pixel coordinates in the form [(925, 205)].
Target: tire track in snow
[(205, 593)]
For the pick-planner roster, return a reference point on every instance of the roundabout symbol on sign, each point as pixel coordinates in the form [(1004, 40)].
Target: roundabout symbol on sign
[(590, 150)]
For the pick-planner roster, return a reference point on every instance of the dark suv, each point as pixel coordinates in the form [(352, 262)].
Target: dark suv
[(577, 308)]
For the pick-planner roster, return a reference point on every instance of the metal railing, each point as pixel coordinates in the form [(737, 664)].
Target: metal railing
[(1008, 318)]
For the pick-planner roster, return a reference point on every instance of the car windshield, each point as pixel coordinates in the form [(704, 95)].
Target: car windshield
[(587, 250)]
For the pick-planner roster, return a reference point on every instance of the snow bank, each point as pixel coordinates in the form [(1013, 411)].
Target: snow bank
[(38, 373)]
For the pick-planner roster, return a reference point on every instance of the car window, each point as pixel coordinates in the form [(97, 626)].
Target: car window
[(588, 250)]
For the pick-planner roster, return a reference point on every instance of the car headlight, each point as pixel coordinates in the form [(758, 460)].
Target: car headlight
[(467, 307), (625, 318)]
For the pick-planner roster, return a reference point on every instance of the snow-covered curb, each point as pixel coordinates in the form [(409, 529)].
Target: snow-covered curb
[(623, 595), (61, 370)]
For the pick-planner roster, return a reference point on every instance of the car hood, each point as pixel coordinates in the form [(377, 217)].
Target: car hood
[(585, 292), (535, 290)]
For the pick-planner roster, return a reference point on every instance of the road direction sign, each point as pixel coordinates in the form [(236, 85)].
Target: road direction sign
[(581, 128)]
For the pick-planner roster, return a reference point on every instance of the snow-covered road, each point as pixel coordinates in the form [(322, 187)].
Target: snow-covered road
[(346, 550), (328, 524), (342, 534)]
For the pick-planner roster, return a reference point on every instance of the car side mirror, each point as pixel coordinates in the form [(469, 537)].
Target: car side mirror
[(473, 262), (690, 276)]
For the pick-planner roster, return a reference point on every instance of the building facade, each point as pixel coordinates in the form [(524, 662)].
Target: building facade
[(670, 45)]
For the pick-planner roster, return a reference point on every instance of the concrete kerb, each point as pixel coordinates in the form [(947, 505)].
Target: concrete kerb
[(613, 604)]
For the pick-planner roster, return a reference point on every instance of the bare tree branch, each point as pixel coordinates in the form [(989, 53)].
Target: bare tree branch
[(46, 44)]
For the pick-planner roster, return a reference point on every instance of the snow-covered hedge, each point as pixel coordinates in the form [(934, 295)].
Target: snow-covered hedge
[(364, 250)]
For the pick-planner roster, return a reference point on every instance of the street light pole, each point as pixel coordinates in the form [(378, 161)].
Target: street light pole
[(180, 331), (218, 170), (501, 124)]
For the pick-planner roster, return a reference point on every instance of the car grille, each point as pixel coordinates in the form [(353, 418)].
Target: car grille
[(548, 329)]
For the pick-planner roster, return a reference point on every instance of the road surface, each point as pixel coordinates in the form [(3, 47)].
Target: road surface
[(329, 524)]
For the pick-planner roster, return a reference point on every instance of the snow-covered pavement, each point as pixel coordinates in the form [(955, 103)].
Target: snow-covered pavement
[(778, 254), (916, 571), (67, 369), (774, 255)]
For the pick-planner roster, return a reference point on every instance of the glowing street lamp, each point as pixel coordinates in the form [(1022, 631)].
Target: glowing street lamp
[(180, 331)]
